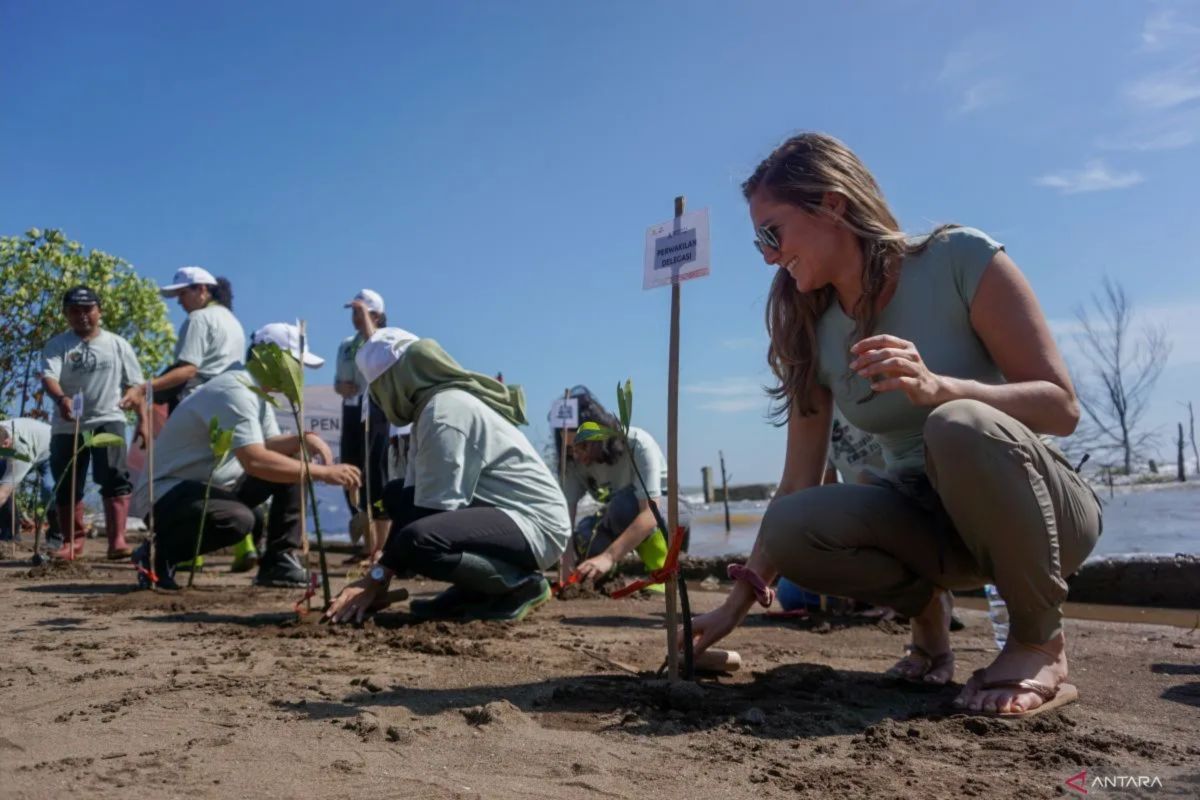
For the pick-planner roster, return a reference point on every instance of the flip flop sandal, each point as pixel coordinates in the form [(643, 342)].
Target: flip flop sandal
[(928, 664), (1052, 696)]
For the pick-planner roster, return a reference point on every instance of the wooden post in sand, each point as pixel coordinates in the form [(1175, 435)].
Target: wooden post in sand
[(148, 430), (676, 251), (724, 489), (304, 549), (562, 481), (366, 421), (673, 469), (12, 498), (77, 413)]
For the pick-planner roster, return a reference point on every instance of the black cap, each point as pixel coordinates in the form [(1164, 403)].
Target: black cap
[(80, 296)]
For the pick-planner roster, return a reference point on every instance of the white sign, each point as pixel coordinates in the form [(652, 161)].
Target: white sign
[(677, 250), (565, 413)]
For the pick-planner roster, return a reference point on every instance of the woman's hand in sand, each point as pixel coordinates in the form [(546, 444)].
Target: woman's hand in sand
[(596, 567), (892, 363), (354, 601), (710, 628)]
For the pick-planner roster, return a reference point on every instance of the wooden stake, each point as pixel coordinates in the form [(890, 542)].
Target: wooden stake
[(562, 481), (724, 489), (303, 325), (12, 499), (673, 469), (77, 413), (149, 429), (366, 420)]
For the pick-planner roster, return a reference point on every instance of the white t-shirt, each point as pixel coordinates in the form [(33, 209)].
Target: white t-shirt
[(182, 451), (212, 340), (102, 368), (620, 475), (30, 437), (462, 450)]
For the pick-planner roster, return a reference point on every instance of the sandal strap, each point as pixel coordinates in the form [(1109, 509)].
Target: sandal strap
[(1047, 693)]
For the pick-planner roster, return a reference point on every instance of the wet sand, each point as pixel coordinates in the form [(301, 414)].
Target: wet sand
[(221, 692)]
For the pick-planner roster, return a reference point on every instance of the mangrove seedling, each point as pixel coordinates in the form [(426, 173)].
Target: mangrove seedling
[(595, 432), (275, 369), (221, 443)]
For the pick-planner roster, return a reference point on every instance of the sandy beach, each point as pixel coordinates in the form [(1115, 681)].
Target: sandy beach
[(221, 692)]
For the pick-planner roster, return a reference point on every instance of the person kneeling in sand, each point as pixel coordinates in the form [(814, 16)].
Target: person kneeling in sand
[(625, 523), (263, 465), (480, 509), (936, 345)]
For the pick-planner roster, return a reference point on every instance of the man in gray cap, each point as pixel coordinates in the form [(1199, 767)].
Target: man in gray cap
[(93, 373)]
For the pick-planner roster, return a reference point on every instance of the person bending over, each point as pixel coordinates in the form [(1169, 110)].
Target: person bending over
[(480, 509), (264, 464), (625, 523)]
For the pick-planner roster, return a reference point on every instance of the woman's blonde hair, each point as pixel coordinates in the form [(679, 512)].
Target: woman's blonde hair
[(800, 172)]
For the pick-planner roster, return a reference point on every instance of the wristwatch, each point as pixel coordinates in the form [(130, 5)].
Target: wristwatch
[(377, 574)]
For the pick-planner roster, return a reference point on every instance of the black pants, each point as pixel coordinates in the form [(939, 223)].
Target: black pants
[(431, 542), (355, 450), (109, 470), (595, 532), (230, 517)]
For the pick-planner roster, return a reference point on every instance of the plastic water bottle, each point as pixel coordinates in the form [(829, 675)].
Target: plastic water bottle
[(998, 614)]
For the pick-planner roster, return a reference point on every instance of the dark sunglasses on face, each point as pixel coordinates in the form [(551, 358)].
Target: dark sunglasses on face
[(766, 236)]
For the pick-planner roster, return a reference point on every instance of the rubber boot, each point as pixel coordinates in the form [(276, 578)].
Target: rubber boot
[(653, 553), (116, 511), (245, 557), (474, 584), (65, 512), (511, 592)]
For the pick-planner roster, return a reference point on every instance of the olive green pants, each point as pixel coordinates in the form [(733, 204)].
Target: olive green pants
[(999, 506)]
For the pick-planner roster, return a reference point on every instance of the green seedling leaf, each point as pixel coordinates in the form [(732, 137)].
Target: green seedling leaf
[(104, 440), (266, 396), (277, 370), (625, 403), (219, 441), (87, 438), (14, 454), (223, 444), (595, 432)]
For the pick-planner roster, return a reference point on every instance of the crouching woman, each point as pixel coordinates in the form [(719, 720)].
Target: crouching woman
[(480, 509)]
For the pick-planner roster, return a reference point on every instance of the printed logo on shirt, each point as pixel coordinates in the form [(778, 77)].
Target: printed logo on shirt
[(82, 360), (851, 446)]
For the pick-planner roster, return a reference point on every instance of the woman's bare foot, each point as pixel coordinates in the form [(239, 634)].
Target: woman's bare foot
[(931, 660), (1044, 663)]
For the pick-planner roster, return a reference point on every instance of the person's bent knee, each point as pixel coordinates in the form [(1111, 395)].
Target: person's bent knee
[(788, 535), (957, 426)]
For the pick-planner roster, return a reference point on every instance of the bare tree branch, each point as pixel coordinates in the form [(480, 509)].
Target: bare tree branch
[(1115, 391)]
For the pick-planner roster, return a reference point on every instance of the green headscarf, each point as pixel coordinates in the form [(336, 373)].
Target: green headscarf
[(426, 369)]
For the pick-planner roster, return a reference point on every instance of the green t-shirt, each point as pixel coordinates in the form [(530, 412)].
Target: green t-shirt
[(462, 451), (932, 309), (618, 476), (212, 340), (30, 437), (102, 368), (182, 451)]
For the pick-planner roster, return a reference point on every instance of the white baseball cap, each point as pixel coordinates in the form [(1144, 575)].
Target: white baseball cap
[(369, 298), (185, 277), (377, 355), (287, 336)]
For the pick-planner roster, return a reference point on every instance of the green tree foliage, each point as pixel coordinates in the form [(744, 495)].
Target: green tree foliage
[(35, 270)]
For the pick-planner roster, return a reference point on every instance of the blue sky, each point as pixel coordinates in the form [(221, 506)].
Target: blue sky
[(491, 167)]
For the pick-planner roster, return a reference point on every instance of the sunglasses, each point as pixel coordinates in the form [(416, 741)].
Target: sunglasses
[(766, 236)]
